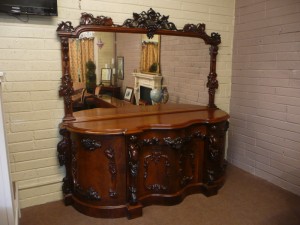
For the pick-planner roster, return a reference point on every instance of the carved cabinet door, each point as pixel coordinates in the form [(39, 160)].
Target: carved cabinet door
[(163, 162), (98, 168)]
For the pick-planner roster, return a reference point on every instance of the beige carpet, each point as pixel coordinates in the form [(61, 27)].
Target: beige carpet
[(244, 199)]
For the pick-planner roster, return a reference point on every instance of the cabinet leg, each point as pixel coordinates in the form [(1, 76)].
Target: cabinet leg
[(68, 200), (134, 211)]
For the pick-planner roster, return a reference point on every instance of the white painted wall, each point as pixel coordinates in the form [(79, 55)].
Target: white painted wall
[(7, 216)]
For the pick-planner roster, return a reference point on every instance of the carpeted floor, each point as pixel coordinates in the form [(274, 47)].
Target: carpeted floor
[(244, 200)]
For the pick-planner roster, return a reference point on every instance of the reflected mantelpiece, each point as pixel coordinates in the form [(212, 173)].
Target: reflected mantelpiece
[(150, 81)]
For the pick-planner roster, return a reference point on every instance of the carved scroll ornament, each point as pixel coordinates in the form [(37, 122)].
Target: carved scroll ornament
[(133, 150), (89, 194), (87, 18), (90, 144), (151, 21)]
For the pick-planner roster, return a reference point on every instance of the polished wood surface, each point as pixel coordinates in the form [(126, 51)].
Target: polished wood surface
[(133, 118)]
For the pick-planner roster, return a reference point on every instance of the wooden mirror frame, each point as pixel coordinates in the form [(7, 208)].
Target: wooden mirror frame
[(149, 23)]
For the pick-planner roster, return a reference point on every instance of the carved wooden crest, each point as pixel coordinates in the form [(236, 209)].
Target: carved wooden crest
[(150, 20)]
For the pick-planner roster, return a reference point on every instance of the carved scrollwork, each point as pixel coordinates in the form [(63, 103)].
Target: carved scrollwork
[(132, 197), (133, 149), (216, 38), (89, 194), (199, 28), (211, 176), (216, 140), (198, 134), (110, 155), (215, 151), (87, 18), (74, 161), (150, 20), (65, 26), (214, 147), (66, 88), (66, 187), (156, 158), (212, 82), (90, 144), (176, 143), (150, 141), (63, 146)]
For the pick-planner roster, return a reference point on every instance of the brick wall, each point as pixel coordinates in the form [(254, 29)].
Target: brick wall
[(30, 56), (265, 103), (129, 46), (185, 65)]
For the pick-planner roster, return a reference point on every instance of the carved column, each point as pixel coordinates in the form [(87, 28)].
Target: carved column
[(212, 82), (66, 89), (133, 150), (214, 157), (64, 157)]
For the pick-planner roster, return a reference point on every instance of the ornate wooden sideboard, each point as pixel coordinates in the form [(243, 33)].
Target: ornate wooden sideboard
[(119, 160), (122, 158)]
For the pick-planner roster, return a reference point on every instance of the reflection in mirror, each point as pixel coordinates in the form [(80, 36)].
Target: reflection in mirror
[(150, 54), (105, 55), (81, 50), (98, 47), (106, 74), (183, 60)]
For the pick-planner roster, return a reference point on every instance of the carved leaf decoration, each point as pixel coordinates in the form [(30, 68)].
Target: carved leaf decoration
[(199, 28), (87, 18), (216, 37), (176, 143), (62, 146), (89, 194), (90, 144), (151, 21), (65, 26)]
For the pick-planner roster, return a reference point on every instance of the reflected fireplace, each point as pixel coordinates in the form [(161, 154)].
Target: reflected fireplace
[(145, 96), (143, 84)]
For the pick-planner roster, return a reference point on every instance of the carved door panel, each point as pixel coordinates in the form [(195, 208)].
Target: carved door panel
[(166, 161), (98, 169)]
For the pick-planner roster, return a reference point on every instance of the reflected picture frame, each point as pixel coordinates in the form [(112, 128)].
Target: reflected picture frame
[(120, 67), (128, 94), (106, 75)]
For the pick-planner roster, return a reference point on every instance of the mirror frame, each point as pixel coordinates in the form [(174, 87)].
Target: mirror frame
[(149, 23)]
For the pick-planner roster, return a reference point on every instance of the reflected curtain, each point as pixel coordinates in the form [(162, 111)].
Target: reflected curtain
[(80, 52), (149, 55)]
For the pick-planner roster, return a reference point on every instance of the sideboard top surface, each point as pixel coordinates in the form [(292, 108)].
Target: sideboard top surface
[(133, 119)]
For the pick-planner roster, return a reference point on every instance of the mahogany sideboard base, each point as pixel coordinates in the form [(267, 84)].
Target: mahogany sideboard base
[(134, 211), (119, 160)]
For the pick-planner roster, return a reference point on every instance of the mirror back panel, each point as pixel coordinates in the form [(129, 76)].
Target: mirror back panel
[(149, 23)]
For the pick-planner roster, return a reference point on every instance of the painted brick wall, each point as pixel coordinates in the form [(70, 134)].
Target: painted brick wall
[(185, 65), (265, 102), (30, 56), (129, 46)]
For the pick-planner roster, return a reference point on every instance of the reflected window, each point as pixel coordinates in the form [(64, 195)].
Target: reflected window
[(150, 54)]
